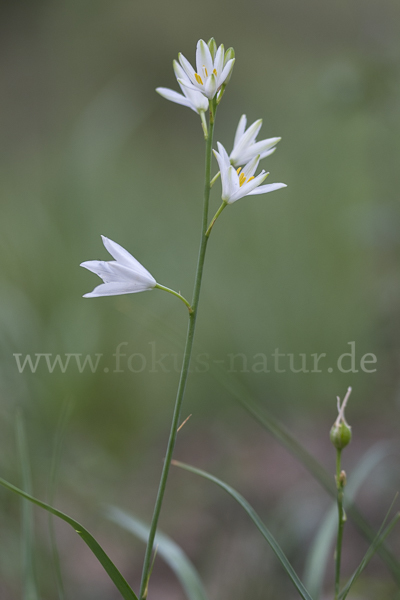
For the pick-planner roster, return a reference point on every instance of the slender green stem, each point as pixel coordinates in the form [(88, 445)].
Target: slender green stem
[(219, 211), (215, 178), (340, 483), (186, 360), (177, 294)]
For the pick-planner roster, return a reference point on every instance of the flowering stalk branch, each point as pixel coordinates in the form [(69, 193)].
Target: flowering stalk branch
[(215, 178), (219, 211), (186, 359), (177, 294)]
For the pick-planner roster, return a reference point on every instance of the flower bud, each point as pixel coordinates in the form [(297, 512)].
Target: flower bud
[(229, 54), (340, 435), (212, 44), (341, 431)]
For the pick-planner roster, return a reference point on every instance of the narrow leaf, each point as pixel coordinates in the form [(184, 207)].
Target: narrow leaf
[(111, 570), (371, 551), (173, 555), (258, 523), (29, 591)]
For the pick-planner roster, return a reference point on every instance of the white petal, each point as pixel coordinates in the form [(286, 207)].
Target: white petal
[(210, 86), (113, 272), (203, 59), (244, 142), (219, 60), (267, 153), (196, 87), (174, 97), (265, 144), (240, 129), (224, 155), (224, 174), (123, 257), (233, 183), (187, 67), (226, 71), (251, 167), (264, 189), (115, 289), (246, 188)]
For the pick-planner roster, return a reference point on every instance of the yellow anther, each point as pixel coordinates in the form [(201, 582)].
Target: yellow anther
[(238, 170), (198, 79), (205, 70), (250, 178), (215, 72), (242, 179)]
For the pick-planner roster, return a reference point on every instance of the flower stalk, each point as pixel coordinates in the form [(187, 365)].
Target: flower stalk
[(186, 359), (177, 294), (340, 484)]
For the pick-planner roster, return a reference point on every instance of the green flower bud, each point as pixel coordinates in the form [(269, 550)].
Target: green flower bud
[(341, 431), (212, 44), (230, 53), (340, 435)]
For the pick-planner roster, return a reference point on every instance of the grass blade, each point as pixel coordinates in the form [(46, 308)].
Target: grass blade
[(167, 548), (371, 551), (58, 441), (107, 564), (29, 591), (258, 523)]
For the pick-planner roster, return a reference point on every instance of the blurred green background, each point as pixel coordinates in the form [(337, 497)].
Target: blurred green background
[(88, 148)]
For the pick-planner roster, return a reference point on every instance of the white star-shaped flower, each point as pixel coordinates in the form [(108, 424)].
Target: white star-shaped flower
[(213, 70), (125, 275), (191, 98), (241, 182), (245, 146)]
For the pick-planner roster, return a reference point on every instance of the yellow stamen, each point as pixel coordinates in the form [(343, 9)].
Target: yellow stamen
[(198, 79), (242, 179), (215, 71), (238, 170), (205, 70), (250, 178)]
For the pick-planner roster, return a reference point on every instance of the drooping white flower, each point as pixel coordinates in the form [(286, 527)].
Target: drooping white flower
[(245, 146), (191, 98), (125, 275), (212, 69), (241, 182)]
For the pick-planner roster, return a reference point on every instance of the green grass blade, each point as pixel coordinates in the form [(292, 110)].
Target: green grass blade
[(28, 571), (166, 548), (107, 564), (320, 552), (258, 523), (371, 551), (55, 461)]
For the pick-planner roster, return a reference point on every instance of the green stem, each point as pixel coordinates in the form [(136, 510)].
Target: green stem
[(219, 211), (177, 294), (185, 363), (340, 483), (215, 178)]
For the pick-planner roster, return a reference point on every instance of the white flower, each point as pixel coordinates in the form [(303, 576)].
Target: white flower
[(212, 70), (191, 98), (125, 275), (245, 146), (241, 182)]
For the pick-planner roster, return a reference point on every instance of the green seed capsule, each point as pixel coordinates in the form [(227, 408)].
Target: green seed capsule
[(340, 435)]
